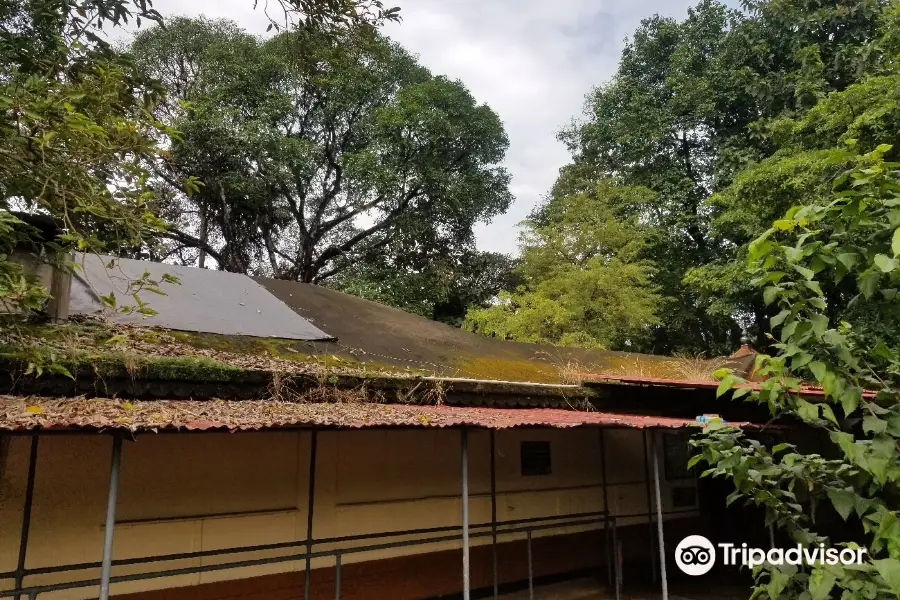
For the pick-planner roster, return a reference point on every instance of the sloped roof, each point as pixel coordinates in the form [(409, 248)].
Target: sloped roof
[(374, 333), (27, 413), (204, 300)]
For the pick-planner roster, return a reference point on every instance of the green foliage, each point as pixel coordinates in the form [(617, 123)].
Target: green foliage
[(320, 154), (582, 284), (75, 127), (78, 132), (726, 115), (847, 243), (441, 287)]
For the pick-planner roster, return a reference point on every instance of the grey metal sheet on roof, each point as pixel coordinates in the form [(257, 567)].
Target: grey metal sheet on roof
[(206, 301)]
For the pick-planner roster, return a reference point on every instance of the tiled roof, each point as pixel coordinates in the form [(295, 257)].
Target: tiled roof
[(19, 413)]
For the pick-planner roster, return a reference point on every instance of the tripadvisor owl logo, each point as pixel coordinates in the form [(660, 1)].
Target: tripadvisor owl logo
[(696, 555)]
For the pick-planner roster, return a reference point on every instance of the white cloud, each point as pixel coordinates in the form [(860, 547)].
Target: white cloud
[(533, 62)]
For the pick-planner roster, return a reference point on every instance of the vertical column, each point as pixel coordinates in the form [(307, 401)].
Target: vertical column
[(606, 519), (649, 505), (494, 513), (106, 564), (464, 446), (659, 520), (26, 514), (310, 512)]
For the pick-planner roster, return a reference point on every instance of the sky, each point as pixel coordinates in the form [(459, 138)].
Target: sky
[(532, 61)]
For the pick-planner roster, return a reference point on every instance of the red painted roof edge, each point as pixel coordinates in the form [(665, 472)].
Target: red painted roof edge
[(806, 390)]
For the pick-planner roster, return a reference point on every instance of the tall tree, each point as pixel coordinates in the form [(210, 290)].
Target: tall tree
[(697, 103), (76, 131), (316, 152), (581, 281)]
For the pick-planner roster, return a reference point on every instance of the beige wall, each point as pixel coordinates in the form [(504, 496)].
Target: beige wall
[(192, 492)]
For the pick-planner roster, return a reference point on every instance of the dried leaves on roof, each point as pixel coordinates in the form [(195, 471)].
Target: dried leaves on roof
[(29, 413)]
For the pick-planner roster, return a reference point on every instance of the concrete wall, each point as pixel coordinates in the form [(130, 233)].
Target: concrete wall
[(192, 492)]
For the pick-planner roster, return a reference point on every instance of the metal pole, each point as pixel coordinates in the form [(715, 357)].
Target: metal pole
[(26, 514), (615, 541), (659, 522), (494, 514), (310, 510), (649, 506), (106, 564), (609, 569), (530, 570), (337, 576), (464, 446)]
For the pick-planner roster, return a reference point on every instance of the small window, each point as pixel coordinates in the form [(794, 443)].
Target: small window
[(536, 458), (684, 497), (677, 453)]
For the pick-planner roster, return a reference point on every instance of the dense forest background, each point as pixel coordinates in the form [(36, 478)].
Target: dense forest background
[(344, 162)]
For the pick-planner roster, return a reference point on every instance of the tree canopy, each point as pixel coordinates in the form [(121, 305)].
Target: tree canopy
[(78, 130), (730, 117), (848, 240), (581, 280), (317, 153)]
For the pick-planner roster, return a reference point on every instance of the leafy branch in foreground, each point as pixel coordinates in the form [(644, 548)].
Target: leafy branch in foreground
[(847, 247)]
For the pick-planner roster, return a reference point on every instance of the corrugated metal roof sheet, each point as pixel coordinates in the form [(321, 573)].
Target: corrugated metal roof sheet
[(31, 413), (206, 301)]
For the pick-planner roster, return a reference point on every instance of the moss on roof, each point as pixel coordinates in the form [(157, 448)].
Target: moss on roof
[(374, 342)]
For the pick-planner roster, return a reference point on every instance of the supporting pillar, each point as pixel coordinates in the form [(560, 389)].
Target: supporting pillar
[(310, 511), (530, 567), (494, 514), (106, 564), (26, 514), (650, 528), (659, 521), (606, 520), (464, 446)]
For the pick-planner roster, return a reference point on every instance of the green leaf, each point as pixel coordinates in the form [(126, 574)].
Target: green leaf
[(770, 293), (726, 384), (843, 501), (868, 284), (779, 318), (886, 263), (807, 273), (848, 259), (850, 400), (819, 324), (872, 424), (821, 582), (889, 569), (807, 411), (818, 369), (895, 242)]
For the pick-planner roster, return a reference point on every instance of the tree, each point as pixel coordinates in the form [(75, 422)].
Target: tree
[(77, 131), (441, 287), (703, 110), (847, 240), (582, 283), (319, 153)]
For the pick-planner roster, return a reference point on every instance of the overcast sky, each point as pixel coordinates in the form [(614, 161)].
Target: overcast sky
[(532, 61)]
